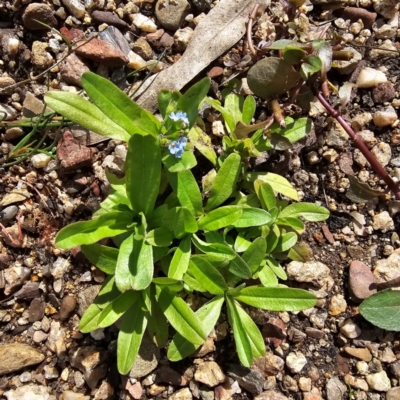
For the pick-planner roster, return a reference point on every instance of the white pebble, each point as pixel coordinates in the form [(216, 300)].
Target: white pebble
[(370, 77), (40, 160)]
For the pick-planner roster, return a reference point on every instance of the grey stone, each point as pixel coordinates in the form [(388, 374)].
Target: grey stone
[(393, 394), (75, 7), (335, 389), (379, 381), (172, 14), (86, 297), (248, 379), (147, 358), (8, 214)]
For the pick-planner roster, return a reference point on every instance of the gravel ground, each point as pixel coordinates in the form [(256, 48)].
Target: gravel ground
[(328, 352)]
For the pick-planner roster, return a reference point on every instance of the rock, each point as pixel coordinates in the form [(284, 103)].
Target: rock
[(387, 269), (147, 358), (29, 392), (383, 221), (33, 106), (361, 281), (350, 329), (335, 389), (393, 393), (41, 58), (337, 305), (182, 394), (6, 81), (207, 347), (337, 137), (313, 272), (16, 356), (60, 267), (345, 67), (40, 12), (385, 117), (39, 336), (8, 214), (296, 362), (142, 48), (202, 5), (166, 41), (209, 373), (72, 154), (70, 395), (369, 78), (14, 277), (116, 39), (386, 8), (72, 69), (104, 392), (50, 372), (109, 18), (135, 390), (215, 72), (143, 23), (354, 14), (362, 354), (386, 49), (75, 7), (8, 112), (36, 310), (248, 379), (86, 298), (169, 375), (91, 361), (102, 52), (56, 339), (135, 62), (68, 305), (383, 92), (271, 395), (356, 383), (268, 365), (379, 381), (171, 14), (72, 34), (40, 160), (182, 38)]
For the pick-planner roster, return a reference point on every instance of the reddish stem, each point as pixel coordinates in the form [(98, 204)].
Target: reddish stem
[(359, 143)]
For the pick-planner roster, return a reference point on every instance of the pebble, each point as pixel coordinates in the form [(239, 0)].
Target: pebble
[(362, 354), (182, 38), (146, 360), (36, 310), (337, 305), (393, 393), (108, 18), (72, 69), (68, 305), (70, 395), (7, 112), (202, 5), (8, 214), (135, 390), (86, 298), (29, 392), (135, 62), (383, 222), (335, 389), (361, 281), (248, 379), (50, 372), (387, 355), (269, 364), (39, 336), (171, 14), (41, 58), (383, 92), (354, 14), (379, 381), (40, 160), (142, 48), (182, 394), (16, 356), (296, 361), (6, 81), (75, 7), (369, 78), (40, 12), (209, 373), (271, 395), (15, 276), (314, 272), (387, 269), (337, 137), (385, 117), (143, 23), (386, 8), (357, 383), (350, 329)]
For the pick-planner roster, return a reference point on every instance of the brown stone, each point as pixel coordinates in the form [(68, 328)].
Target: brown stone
[(72, 34), (168, 375), (72, 154), (383, 92), (108, 18), (271, 395), (72, 69), (361, 354), (361, 281), (155, 36), (16, 356), (355, 13), (39, 12), (36, 310), (68, 305), (215, 72), (102, 52), (166, 40)]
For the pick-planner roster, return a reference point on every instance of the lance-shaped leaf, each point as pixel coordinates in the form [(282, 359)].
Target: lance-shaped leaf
[(267, 277), (255, 254), (160, 237), (228, 117), (209, 277), (103, 257), (82, 112), (180, 220), (88, 232), (249, 108), (252, 217), (181, 316), (276, 299), (285, 242), (309, 211), (130, 337), (143, 172), (225, 181), (276, 268), (180, 260), (116, 105), (208, 314), (167, 101), (173, 164), (220, 218), (265, 193), (202, 142)]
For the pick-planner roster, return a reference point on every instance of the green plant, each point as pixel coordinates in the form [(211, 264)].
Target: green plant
[(169, 236)]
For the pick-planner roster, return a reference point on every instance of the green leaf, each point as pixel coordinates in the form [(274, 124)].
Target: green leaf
[(209, 277), (249, 108), (225, 181), (103, 257), (292, 55), (130, 337), (295, 129), (310, 66), (276, 268), (116, 105), (239, 267), (154, 220), (292, 223), (309, 211), (117, 308), (228, 117), (135, 262), (220, 218), (180, 260), (167, 101), (276, 299), (160, 237), (273, 239), (143, 173), (265, 193), (193, 284), (173, 164), (255, 254), (383, 309), (267, 277), (279, 183), (300, 252), (185, 186), (253, 333), (180, 220), (181, 316), (75, 108), (285, 242), (88, 232), (219, 250), (282, 44), (208, 314), (202, 142), (252, 217), (241, 243), (234, 104), (242, 341), (172, 284), (360, 192)]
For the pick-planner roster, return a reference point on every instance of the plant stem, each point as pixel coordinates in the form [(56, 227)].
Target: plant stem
[(359, 143)]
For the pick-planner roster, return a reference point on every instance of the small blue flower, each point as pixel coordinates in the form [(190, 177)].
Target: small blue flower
[(177, 147), (179, 116)]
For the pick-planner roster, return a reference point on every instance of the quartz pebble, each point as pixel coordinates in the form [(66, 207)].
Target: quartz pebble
[(379, 381), (369, 78), (337, 305), (40, 160), (350, 329), (75, 7), (296, 362), (383, 222), (209, 373), (385, 117), (143, 23), (387, 269)]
